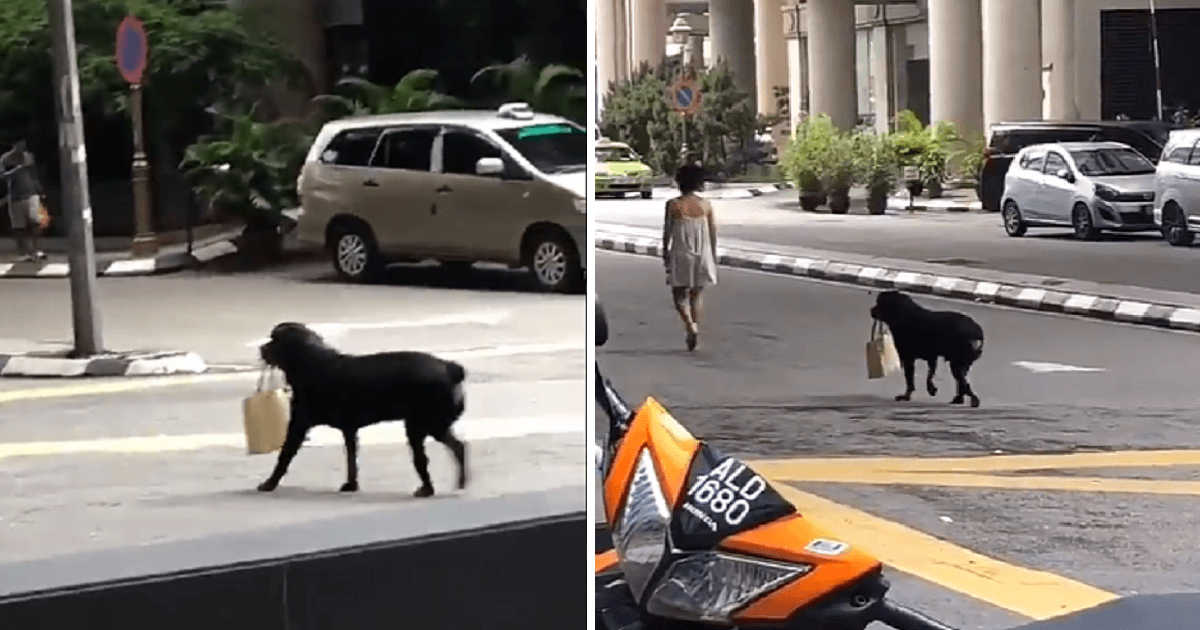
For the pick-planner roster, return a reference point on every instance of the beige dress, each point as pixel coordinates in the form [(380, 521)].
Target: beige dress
[(690, 262)]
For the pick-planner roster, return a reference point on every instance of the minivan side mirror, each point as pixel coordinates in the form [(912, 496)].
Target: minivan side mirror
[(489, 166), (1066, 174)]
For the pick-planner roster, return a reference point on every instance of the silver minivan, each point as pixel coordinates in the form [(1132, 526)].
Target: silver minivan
[(1088, 186), (1177, 188)]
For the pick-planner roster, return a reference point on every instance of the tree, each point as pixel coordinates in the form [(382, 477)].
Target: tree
[(416, 92), (553, 89)]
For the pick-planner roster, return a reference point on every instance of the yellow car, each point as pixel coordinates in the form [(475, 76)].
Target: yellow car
[(620, 170)]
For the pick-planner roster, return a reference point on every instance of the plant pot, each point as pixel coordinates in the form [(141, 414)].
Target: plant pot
[(877, 202), (915, 188), (839, 201), (934, 189), (811, 200)]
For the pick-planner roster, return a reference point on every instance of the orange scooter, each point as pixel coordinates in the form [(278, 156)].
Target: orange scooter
[(696, 539)]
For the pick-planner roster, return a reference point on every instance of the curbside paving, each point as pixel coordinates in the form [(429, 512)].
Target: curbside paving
[(125, 267), (1092, 306), (125, 364)]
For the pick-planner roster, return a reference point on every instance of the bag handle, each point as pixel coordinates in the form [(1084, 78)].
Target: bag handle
[(262, 377), (874, 328)]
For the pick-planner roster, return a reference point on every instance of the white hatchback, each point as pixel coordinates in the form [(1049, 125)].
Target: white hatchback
[(1177, 193), (1088, 186)]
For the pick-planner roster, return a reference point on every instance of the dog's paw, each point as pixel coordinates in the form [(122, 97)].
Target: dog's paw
[(974, 402), (957, 400), (903, 397), (268, 485), (932, 389), (349, 486), (423, 492)]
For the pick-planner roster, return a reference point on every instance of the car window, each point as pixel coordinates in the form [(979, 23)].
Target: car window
[(1134, 138), (352, 147), (406, 149), (1100, 162), (551, 148), (614, 154), (1035, 161), (1194, 157), (1179, 155), (461, 150), (1054, 164), (1010, 141)]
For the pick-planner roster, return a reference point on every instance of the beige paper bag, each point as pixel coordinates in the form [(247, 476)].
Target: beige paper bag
[(266, 416), (882, 358)]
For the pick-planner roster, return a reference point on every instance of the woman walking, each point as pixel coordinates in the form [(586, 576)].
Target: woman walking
[(689, 248)]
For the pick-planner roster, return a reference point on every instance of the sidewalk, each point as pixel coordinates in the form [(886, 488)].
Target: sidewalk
[(1135, 305), (114, 258)]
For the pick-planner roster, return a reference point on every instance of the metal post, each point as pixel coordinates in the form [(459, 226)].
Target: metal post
[(145, 243), (1157, 67), (77, 207), (683, 149)]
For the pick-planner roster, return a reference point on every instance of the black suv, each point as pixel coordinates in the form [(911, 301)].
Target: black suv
[(1145, 136)]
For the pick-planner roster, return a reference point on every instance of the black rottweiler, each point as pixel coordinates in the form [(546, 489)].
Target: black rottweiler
[(349, 392), (923, 334)]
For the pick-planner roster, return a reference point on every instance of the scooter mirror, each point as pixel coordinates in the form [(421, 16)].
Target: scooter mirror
[(601, 325)]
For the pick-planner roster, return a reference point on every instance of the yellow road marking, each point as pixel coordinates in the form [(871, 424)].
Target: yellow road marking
[(1035, 594), (116, 387)]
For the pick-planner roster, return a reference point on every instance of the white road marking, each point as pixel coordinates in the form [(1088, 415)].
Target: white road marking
[(1185, 316), (334, 330), (1132, 311), (1044, 368)]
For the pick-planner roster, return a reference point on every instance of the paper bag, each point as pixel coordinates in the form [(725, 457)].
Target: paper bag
[(43, 217), (266, 416), (882, 358)]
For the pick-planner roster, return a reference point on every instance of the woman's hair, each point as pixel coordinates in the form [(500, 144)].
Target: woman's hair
[(689, 178)]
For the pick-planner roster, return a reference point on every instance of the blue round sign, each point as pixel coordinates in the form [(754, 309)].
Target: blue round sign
[(131, 49), (684, 96)]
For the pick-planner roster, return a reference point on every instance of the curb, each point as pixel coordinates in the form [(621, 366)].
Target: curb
[(1019, 296), (126, 267), (899, 203), (115, 364)]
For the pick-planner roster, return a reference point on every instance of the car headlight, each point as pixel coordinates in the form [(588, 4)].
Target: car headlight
[(581, 205), (640, 536), (711, 586), (1106, 193)]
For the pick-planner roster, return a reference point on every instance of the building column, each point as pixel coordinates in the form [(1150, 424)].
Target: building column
[(731, 27), (1012, 61), (1058, 54), (606, 41), (793, 29), (648, 25), (770, 53), (956, 64), (831, 64)]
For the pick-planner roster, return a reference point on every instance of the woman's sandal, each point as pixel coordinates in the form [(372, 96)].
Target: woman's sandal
[(692, 338)]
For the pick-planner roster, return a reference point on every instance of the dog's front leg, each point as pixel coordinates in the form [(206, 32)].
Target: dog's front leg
[(416, 443), (459, 450), (929, 386), (350, 436), (910, 365), (296, 432)]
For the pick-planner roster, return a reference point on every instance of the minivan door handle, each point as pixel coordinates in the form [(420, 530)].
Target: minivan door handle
[(444, 188), (370, 183)]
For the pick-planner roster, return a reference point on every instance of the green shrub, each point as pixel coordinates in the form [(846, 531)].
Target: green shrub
[(877, 163), (805, 159)]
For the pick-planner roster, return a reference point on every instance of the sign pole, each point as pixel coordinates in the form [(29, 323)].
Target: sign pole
[(77, 206), (684, 98), (132, 52)]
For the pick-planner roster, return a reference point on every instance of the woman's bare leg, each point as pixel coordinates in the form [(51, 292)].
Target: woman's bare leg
[(697, 304)]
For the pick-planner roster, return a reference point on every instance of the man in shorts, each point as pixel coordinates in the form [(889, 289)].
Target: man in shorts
[(24, 200)]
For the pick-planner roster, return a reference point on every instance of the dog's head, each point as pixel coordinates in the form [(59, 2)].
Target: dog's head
[(889, 305), (290, 344)]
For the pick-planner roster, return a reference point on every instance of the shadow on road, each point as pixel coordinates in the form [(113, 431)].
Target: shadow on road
[(1104, 237), (435, 276)]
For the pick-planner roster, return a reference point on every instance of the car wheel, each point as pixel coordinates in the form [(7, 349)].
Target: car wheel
[(1081, 220), (355, 256), (1175, 229), (554, 262), (646, 194), (1014, 225)]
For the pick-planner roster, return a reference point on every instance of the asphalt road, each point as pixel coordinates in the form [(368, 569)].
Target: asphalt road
[(966, 239), (780, 374)]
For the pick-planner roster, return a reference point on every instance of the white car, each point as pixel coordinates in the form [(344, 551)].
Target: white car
[(1177, 188), (1088, 186)]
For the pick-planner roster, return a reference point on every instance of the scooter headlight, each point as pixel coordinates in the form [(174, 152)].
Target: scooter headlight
[(640, 536), (711, 586)]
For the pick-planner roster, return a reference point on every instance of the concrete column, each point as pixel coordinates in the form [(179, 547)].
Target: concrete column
[(1058, 53), (606, 42), (797, 65), (956, 63), (648, 24), (731, 26), (770, 53), (1012, 60), (621, 39), (831, 62)]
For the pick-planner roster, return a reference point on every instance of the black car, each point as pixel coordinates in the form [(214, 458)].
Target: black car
[(1006, 139)]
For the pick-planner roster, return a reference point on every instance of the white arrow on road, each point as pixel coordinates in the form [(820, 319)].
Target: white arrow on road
[(1044, 368)]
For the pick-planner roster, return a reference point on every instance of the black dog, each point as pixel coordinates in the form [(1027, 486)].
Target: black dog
[(349, 392), (923, 334)]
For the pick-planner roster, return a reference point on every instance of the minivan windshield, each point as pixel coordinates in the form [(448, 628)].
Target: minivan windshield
[(1101, 162), (551, 148)]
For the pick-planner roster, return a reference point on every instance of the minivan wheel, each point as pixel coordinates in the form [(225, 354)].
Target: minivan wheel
[(1014, 225), (1081, 220), (554, 262), (646, 194), (355, 256), (1175, 229)]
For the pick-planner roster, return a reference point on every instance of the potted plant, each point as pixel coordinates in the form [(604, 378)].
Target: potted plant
[(840, 170), (804, 159), (877, 163), (935, 158), (970, 155)]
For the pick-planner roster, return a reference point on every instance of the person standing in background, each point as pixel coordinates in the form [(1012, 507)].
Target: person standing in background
[(689, 248), (19, 171)]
